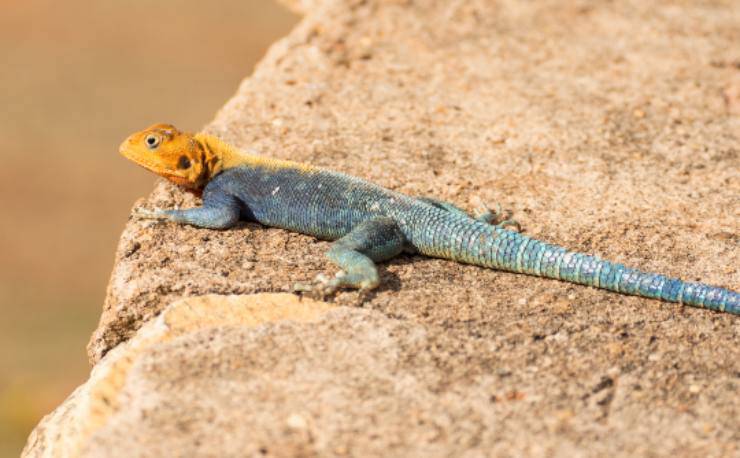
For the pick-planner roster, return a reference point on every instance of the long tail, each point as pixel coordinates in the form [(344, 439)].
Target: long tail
[(514, 252)]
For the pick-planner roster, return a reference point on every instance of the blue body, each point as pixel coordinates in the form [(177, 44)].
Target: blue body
[(373, 223)]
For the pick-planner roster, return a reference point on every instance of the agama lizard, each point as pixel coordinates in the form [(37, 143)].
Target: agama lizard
[(369, 223)]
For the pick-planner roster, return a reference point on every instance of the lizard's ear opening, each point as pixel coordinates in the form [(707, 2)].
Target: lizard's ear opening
[(183, 163), (152, 141)]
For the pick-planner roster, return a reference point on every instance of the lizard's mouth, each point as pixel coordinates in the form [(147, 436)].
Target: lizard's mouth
[(127, 152), (178, 180)]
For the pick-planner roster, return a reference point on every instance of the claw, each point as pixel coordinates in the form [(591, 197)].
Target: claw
[(499, 217), (363, 293), (510, 222), (301, 287), (156, 214), (499, 211), (322, 285), (480, 211), (484, 215), (500, 214)]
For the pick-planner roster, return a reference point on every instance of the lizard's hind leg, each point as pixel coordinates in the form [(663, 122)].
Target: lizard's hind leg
[(483, 214), (452, 208), (499, 217), (374, 240)]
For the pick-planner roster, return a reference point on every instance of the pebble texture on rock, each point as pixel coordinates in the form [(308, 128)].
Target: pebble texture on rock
[(607, 127)]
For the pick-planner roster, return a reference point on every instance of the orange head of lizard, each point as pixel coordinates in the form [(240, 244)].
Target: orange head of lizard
[(177, 156)]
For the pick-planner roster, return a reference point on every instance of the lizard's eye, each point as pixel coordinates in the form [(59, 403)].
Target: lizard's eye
[(152, 141)]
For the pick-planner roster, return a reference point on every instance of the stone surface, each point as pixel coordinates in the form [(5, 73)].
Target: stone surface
[(607, 127), (271, 375), (113, 384)]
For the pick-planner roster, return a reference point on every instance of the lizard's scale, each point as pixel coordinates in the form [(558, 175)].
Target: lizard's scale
[(499, 248), (371, 223), (293, 200)]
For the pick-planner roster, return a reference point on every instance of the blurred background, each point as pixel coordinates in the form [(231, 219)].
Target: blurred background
[(77, 77)]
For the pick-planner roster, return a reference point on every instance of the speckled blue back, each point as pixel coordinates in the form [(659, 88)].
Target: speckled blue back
[(329, 204)]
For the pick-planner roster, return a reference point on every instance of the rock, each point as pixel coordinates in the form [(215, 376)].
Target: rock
[(301, 6), (607, 127), (109, 393), (273, 375)]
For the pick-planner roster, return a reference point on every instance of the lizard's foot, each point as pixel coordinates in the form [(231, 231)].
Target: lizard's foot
[(156, 214), (323, 286), (509, 223), (373, 240), (499, 218)]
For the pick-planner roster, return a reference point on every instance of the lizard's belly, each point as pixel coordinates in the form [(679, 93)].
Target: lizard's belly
[(327, 227), (323, 204), (310, 216)]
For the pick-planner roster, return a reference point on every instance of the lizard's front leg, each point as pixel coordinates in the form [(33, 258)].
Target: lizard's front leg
[(374, 240), (217, 212)]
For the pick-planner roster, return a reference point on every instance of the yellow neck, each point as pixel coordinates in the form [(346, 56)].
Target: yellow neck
[(221, 156)]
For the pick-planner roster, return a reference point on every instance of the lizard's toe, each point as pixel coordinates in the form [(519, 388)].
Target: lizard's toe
[(499, 217), (510, 223), (144, 213), (322, 285)]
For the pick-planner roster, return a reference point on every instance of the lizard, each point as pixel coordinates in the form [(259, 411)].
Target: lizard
[(368, 223)]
